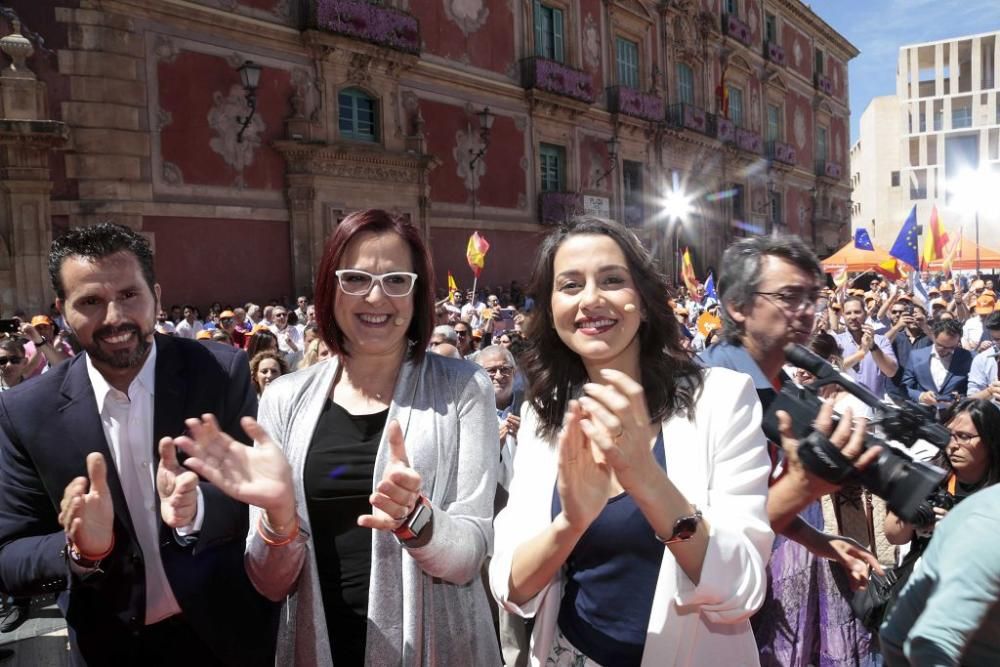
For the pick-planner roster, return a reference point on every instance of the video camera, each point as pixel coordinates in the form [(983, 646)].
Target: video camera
[(894, 476)]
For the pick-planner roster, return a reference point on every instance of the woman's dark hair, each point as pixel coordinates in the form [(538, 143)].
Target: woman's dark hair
[(825, 345), (986, 418), (261, 341), (13, 346), (97, 242), (556, 374), (375, 221), (256, 360)]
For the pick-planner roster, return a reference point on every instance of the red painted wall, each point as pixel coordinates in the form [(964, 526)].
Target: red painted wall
[(840, 87), (511, 256), (232, 261), (185, 140), (795, 102), (789, 36), (594, 158), (503, 181), (839, 142), (490, 47), (593, 10)]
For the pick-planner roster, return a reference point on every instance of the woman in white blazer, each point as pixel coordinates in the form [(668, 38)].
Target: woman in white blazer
[(636, 530)]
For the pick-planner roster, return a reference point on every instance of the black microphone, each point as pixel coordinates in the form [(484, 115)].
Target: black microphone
[(804, 358)]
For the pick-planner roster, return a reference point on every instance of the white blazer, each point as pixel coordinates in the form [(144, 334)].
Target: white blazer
[(719, 461)]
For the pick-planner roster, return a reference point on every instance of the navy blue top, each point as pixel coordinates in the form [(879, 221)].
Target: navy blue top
[(610, 581)]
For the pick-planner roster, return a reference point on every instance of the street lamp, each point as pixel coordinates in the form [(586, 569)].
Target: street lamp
[(612, 145), (486, 119), (250, 78)]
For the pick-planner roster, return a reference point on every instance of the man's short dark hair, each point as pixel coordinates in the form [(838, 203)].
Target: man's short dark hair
[(97, 242), (992, 321), (741, 272), (951, 327)]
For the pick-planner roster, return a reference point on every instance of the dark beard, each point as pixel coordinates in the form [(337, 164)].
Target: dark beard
[(123, 358)]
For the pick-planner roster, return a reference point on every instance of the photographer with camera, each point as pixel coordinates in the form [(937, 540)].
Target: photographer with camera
[(768, 289)]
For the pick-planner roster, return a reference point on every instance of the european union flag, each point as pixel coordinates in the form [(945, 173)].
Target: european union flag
[(710, 288), (862, 241), (905, 247)]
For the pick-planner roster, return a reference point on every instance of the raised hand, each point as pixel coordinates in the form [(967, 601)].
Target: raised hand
[(618, 423), (584, 483), (177, 488), (88, 515), (398, 493), (258, 475)]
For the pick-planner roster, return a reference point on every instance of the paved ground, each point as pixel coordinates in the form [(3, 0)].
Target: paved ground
[(41, 641)]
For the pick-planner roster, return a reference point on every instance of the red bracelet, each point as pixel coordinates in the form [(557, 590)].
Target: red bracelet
[(88, 561), (281, 541)]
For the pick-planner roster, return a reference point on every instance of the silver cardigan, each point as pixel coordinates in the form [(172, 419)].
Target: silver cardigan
[(426, 606)]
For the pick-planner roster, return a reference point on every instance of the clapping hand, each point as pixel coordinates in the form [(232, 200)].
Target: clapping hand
[(258, 475), (88, 515), (398, 493), (177, 488), (618, 423), (867, 337), (584, 481)]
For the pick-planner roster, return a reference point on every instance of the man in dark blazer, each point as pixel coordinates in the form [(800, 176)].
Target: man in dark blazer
[(939, 372), (148, 569)]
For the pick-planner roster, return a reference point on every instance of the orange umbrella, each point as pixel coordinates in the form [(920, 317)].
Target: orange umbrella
[(965, 257), (855, 259)]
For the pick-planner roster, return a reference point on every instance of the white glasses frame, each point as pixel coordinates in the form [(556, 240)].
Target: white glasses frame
[(376, 278)]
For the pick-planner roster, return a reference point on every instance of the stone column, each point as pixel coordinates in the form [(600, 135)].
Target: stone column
[(26, 139)]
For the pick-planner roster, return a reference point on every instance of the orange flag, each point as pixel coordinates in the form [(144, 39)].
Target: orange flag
[(687, 271), (475, 253)]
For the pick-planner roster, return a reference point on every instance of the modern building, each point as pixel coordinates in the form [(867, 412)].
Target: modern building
[(236, 134), (935, 143)]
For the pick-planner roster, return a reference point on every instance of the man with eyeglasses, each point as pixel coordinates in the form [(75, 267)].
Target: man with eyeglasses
[(868, 356), (289, 338), (939, 375), (983, 381), (227, 322)]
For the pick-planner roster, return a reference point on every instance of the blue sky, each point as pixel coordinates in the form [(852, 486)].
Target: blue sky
[(879, 27)]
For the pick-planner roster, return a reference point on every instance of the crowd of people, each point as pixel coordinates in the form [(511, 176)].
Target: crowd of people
[(569, 472)]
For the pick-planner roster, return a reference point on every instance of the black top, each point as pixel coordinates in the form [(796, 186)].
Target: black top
[(338, 477)]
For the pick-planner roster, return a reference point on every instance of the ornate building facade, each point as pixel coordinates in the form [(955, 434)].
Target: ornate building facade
[(601, 106)]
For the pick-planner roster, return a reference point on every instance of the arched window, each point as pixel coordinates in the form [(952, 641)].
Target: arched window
[(685, 84), (358, 115)]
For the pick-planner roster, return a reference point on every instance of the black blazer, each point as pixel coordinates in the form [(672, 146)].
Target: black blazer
[(47, 427)]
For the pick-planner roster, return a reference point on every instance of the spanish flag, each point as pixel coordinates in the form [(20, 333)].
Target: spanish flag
[(475, 253), (687, 271), (936, 240), (452, 288)]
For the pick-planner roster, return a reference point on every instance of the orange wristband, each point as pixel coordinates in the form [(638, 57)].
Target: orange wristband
[(282, 540), (82, 558)]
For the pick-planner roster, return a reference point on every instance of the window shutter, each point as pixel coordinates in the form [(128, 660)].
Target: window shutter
[(539, 30), (557, 35)]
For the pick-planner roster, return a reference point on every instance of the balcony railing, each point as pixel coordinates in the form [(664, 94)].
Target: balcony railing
[(824, 84), (748, 140), (554, 77), (362, 20), (689, 117), (631, 102), (781, 152), (725, 130), (735, 28), (775, 53), (558, 207), (828, 169)]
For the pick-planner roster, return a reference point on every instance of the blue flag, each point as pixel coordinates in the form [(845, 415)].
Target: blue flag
[(862, 241), (710, 288), (905, 247)]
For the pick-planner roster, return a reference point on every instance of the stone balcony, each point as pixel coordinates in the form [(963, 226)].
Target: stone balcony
[(555, 77), (775, 53), (733, 27), (689, 117), (781, 152), (631, 102), (369, 22), (557, 207)]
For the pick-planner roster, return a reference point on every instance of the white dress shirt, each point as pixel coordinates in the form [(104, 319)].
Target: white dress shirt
[(184, 329), (939, 368), (128, 428)]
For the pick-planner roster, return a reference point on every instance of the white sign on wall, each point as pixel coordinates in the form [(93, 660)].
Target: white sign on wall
[(599, 206)]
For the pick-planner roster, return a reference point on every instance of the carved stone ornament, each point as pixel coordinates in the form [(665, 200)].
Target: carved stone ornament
[(466, 146), (222, 118), (282, 9), (306, 100), (799, 129), (172, 174), (591, 42), (469, 15), (797, 53), (16, 47), (163, 118), (165, 49), (754, 109), (358, 70)]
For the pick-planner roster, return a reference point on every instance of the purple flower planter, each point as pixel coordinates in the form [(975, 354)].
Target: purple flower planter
[(631, 102), (554, 77), (372, 23), (736, 29), (748, 141)]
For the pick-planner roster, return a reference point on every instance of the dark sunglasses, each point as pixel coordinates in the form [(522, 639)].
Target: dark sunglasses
[(10, 360)]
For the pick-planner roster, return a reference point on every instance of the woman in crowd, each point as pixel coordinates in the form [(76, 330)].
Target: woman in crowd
[(316, 351), (972, 456), (636, 530), (389, 575), (265, 368), (13, 363), (261, 339)]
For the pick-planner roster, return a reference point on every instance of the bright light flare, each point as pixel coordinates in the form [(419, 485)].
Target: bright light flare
[(974, 190), (677, 203)]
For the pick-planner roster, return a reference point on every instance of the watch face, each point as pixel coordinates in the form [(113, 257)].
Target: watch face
[(686, 528)]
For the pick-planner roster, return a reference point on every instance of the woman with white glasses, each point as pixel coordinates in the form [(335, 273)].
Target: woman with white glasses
[(371, 482)]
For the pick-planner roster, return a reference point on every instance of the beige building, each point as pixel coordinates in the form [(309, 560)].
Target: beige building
[(935, 143)]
